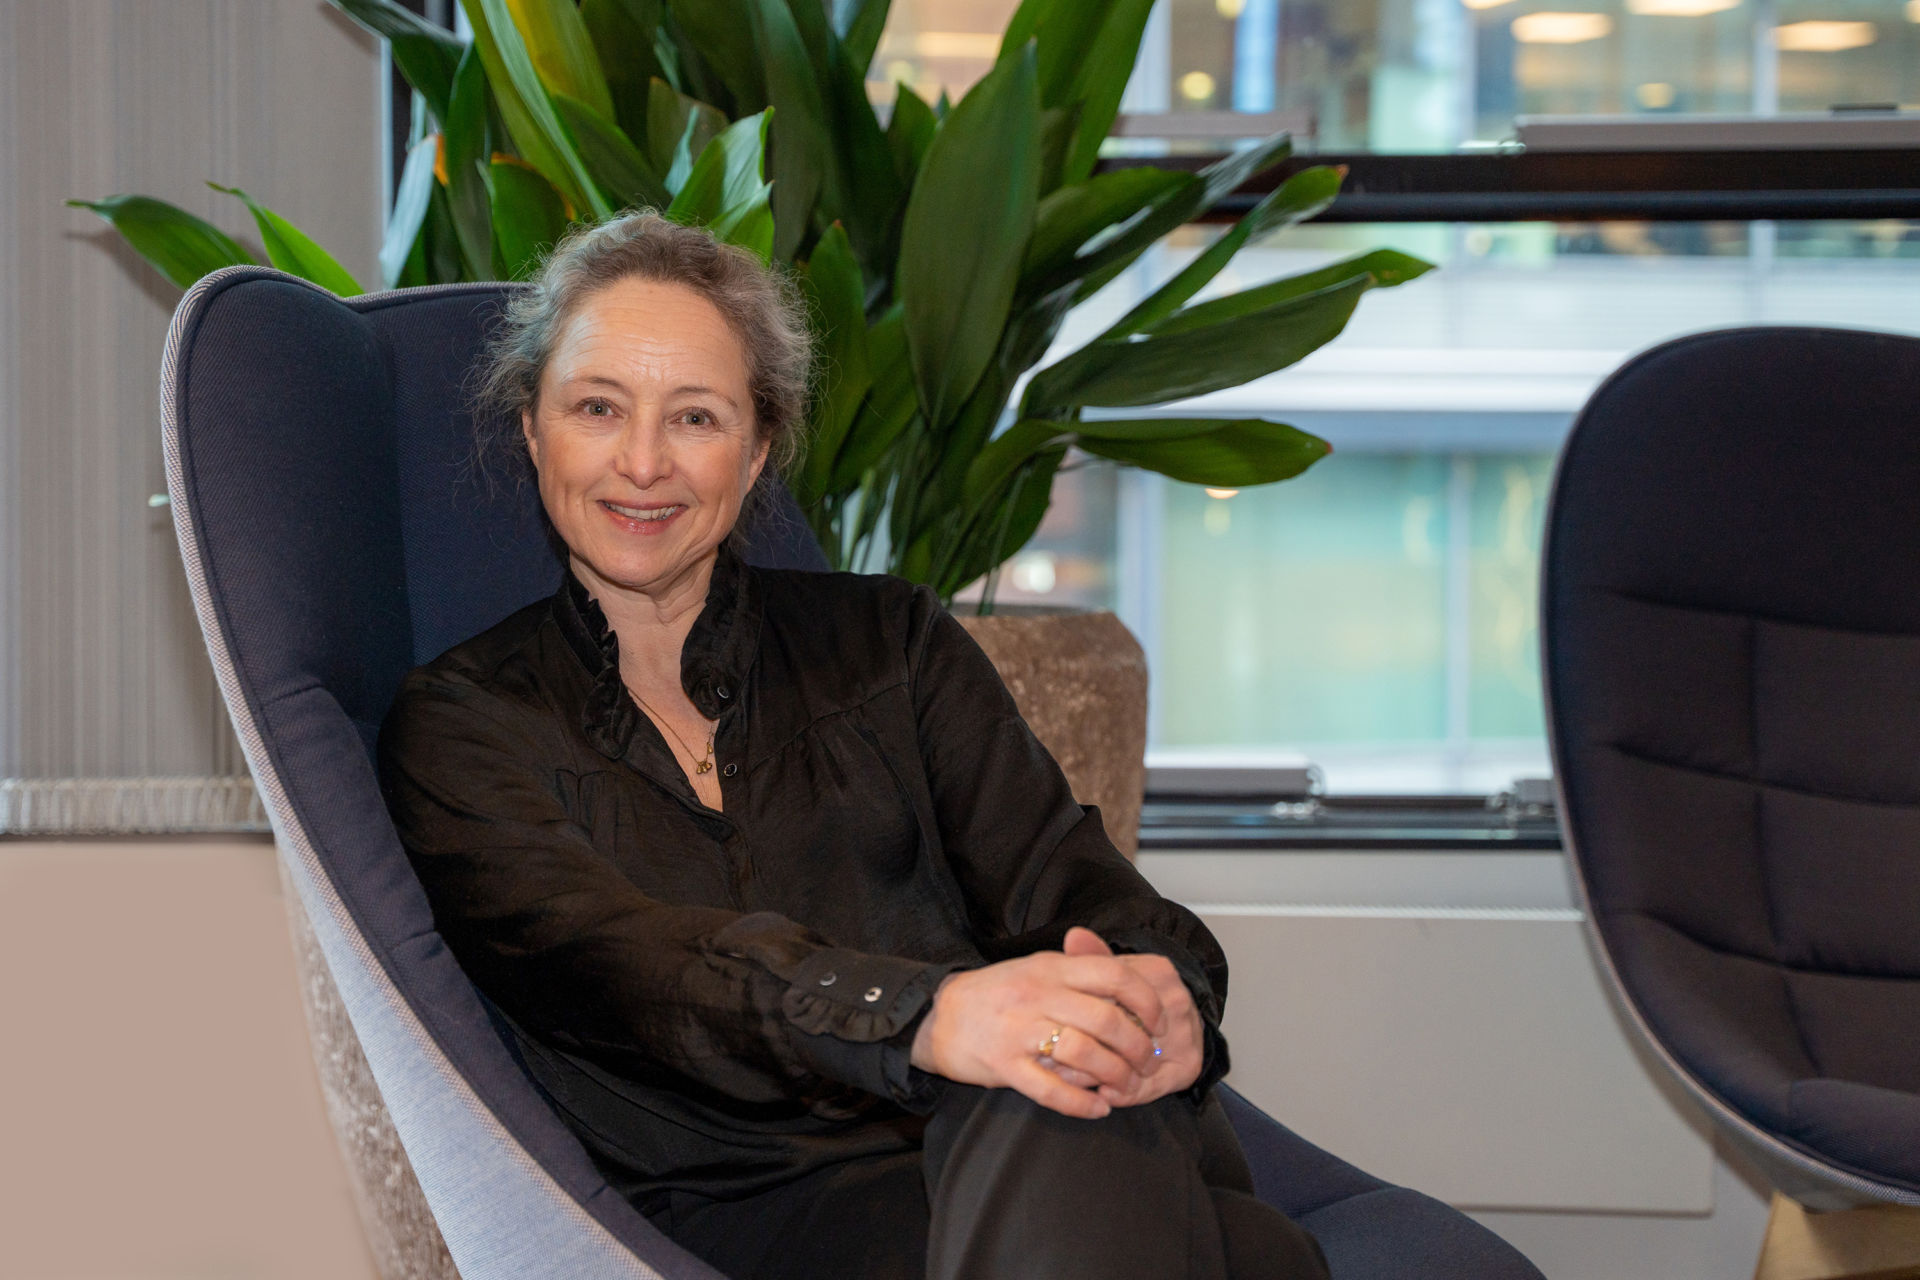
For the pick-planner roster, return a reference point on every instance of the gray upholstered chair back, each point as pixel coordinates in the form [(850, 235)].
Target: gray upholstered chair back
[(1731, 620), (335, 535)]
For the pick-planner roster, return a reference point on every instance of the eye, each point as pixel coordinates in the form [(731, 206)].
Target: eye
[(699, 418), (598, 408)]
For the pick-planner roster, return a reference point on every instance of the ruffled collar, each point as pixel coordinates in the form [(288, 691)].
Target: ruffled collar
[(714, 661)]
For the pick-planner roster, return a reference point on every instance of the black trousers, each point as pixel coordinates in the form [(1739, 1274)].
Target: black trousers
[(1005, 1189)]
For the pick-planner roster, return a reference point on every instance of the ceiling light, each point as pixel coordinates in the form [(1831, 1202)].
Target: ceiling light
[(1561, 28), (1196, 86), (1657, 96), (1222, 494), (1484, 4), (1679, 8), (1824, 36), (1913, 10), (1231, 9)]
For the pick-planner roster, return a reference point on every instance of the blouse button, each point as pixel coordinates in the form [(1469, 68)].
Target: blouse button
[(828, 979), (731, 769), (724, 692), (873, 993)]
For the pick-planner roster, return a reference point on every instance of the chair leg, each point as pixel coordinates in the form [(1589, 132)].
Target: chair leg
[(1877, 1243)]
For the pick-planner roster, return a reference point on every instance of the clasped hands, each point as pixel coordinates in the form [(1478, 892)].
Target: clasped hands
[(987, 1027)]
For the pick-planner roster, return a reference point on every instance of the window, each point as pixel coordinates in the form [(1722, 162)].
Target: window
[(1377, 615)]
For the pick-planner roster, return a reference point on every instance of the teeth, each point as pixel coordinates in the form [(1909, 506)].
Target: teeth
[(634, 513)]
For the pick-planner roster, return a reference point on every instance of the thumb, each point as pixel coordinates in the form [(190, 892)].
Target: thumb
[(1082, 941)]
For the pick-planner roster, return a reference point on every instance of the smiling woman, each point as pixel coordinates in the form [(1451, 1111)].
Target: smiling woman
[(786, 908)]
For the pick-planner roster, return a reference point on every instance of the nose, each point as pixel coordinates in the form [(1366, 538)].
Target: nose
[(643, 456)]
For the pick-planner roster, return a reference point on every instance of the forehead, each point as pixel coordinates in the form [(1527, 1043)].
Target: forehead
[(645, 329)]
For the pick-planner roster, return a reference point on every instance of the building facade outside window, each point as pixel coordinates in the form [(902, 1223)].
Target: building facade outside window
[(1377, 615)]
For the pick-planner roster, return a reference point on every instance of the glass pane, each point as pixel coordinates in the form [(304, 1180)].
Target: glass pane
[(1432, 75), (1378, 613), (1309, 612), (1848, 52), (1509, 499)]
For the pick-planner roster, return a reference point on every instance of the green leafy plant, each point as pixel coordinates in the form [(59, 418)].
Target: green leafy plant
[(941, 251)]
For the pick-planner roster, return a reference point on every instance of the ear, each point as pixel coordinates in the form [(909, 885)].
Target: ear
[(759, 460), (531, 436)]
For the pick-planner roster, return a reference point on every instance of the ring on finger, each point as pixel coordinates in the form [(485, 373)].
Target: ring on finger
[(1052, 1042)]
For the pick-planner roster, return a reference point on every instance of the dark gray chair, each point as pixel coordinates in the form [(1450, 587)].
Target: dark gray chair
[(316, 458), (1730, 610)]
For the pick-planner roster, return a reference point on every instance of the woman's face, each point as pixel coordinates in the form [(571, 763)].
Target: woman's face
[(644, 437)]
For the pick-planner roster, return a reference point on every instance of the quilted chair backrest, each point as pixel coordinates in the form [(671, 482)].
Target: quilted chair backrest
[(335, 535), (1731, 604)]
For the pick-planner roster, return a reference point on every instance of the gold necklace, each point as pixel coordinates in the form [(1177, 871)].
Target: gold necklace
[(699, 766)]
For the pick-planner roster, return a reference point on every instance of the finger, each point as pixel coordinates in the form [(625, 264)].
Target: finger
[(1082, 1052), (1078, 1079), (1104, 1021), (1121, 983), (1082, 941), (1047, 1089)]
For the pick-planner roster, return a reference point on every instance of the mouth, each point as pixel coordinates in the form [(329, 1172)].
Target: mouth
[(647, 514)]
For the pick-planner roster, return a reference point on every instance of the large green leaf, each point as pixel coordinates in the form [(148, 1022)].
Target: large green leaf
[(678, 129), (528, 218), (530, 118), (426, 54), (1068, 218), (437, 255), (467, 155), (726, 34), (996, 532), (180, 246), (291, 250), (410, 201), (1160, 368), (859, 182), (562, 51), (1233, 453), (1228, 452), (728, 173), (749, 224), (623, 33), (622, 173), (965, 235), (1092, 72), (910, 132), (1301, 196), (1108, 256), (800, 155), (837, 297), (885, 414), (859, 23), (1383, 268)]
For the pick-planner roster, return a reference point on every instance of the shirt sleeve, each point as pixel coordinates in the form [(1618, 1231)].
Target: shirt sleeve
[(1032, 861), (749, 1006)]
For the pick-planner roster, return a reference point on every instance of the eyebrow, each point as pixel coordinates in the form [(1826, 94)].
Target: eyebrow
[(698, 390), (691, 389)]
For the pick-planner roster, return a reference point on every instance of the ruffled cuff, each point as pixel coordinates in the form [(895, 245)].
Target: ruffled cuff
[(852, 1017)]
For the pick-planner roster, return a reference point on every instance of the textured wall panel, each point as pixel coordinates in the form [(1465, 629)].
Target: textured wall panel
[(102, 671)]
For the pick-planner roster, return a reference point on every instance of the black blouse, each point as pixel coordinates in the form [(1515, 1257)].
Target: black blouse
[(721, 1001)]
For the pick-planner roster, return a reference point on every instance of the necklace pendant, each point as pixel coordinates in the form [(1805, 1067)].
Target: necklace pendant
[(703, 766)]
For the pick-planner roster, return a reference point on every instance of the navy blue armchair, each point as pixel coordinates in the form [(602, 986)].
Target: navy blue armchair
[(334, 536), (1731, 629)]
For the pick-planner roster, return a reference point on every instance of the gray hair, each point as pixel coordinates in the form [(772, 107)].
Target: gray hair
[(761, 305)]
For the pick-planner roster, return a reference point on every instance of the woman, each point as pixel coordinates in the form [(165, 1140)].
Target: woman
[(784, 906)]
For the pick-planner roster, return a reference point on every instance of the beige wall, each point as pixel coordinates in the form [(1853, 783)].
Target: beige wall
[(159, 1111), (102, 672)]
